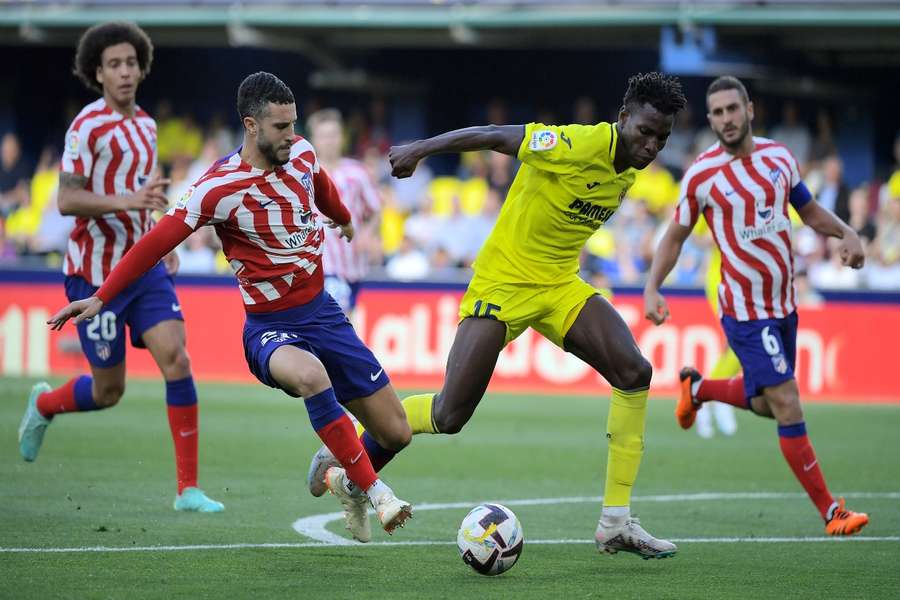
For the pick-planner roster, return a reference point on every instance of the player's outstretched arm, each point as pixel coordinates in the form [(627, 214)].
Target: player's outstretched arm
[(499, 138), (74, 199), (664, 259), (825, 222), (161, 240)]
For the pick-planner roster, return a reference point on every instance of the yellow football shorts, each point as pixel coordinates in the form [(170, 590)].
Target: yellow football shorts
[(550, 310)]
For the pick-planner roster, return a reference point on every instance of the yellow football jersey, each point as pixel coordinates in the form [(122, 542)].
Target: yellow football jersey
[(566, 188)]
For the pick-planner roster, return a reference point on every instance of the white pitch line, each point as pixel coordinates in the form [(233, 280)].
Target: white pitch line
[(314, 527), (724, 540)]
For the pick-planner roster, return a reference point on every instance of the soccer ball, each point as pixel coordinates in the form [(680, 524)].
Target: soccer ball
[(490, 539)]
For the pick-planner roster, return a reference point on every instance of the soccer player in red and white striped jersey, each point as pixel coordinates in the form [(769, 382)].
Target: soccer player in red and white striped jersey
[(742, 186), (296, 338), (109, 182), (345, 264)]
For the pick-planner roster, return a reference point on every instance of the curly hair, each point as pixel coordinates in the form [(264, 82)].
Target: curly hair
[(100, 37), (257, 90), (660, 91)]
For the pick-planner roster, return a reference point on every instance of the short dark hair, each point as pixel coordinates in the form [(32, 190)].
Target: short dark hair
[(662, 92), (100, 37), (257, 90), (728, 82)]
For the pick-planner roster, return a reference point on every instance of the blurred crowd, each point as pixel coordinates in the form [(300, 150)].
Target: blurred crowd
[(433, 223)]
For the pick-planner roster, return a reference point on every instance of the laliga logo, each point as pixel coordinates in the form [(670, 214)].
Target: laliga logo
[(547, 139)]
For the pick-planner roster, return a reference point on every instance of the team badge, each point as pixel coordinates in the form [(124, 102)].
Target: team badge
[(72, 144), (103, 350), (774, 174), (542, 140), (182, 202), (780, 364), (306, 182)]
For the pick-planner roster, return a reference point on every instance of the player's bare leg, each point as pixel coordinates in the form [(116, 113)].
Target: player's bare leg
[(470, 365), (103, 389), (301, 373), (166, 342), (601, 338)]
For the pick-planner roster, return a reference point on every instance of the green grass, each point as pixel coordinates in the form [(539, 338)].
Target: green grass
[(106, 479)]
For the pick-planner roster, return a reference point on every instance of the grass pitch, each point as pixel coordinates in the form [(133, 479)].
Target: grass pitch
[(96, 506)]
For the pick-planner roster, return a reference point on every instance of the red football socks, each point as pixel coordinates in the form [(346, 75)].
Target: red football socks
[(729, 391)]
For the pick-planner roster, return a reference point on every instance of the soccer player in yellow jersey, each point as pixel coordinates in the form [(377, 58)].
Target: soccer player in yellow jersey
[(571, 181)]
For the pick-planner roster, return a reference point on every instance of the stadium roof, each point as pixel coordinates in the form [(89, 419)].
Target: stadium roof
[(334, 25), (441, 13)]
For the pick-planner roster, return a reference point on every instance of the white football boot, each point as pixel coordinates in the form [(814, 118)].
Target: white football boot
[(355, 502), (625, 534), (322, 460)]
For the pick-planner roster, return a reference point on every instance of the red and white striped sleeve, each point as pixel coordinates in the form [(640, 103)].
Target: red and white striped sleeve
[(328, 199), (690, 206), (78, 157), (212, 199)]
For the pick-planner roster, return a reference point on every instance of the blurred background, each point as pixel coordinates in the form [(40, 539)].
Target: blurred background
[(822, 76)]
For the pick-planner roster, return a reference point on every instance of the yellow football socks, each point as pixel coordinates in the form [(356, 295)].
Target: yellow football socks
[(625, 432), (418, 413)]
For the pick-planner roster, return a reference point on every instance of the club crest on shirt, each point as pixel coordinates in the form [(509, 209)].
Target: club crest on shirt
[(306, 182), (72, 144), (774, 174), (542, 140)]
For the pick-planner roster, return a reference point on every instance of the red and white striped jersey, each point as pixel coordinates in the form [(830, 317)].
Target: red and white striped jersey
[(117, 154), (361, 198), (745, 203), (269, 232)]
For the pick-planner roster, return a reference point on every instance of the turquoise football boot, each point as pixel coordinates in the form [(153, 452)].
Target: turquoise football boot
[(33, 425), (193, 499)]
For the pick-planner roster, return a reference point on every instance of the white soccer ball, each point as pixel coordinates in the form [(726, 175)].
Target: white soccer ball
[(490, 539)]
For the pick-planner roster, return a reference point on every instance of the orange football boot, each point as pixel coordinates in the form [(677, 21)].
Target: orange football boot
[(686, 409), (846, 522)]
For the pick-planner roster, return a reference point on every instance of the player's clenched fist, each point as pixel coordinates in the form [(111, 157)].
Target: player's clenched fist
[(403, 160), (81, 310), (851, 251), (655, 307)]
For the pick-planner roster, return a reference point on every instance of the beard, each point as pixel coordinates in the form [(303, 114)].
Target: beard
[(743, 132), (268, 150)]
